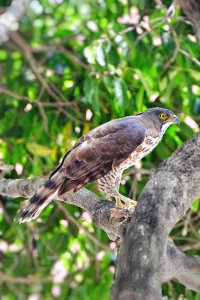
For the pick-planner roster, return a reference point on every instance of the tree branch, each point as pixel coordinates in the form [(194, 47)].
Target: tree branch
[(192, 9), (51, 89), (146, 259), (183, 267), (10, 18), (100, 210)]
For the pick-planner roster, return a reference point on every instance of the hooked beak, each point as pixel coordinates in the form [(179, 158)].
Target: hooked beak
[(174, 119)]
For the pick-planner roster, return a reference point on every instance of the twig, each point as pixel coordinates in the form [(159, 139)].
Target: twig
[(88, 234), (30, 279), (58, 105), (190, 246), (74, 58), (176, 49), (20, 42), (186, 54)]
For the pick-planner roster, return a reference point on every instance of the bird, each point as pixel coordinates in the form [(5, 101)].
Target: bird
[(103, 154)]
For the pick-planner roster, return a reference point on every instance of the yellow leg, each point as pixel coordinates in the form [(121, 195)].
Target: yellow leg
[(119, 204), (128, 203), (124, 206)]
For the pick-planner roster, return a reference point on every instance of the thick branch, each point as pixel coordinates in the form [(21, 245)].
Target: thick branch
[(99, 210), (143, 258), (192, 10), (10, 18), (183, 267), (147, 258)]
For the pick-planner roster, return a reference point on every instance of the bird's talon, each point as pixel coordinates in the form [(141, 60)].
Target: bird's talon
[(125, 203), (120, 215), (131, 205), (119, 204)]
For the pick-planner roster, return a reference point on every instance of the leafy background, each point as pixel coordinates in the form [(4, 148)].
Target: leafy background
[(72, 66)]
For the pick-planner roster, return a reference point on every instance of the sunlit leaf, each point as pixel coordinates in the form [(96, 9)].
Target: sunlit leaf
[(38, 150), (195, 205), (100, 55)]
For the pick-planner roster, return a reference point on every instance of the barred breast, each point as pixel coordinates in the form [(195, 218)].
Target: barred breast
[(109, 184)]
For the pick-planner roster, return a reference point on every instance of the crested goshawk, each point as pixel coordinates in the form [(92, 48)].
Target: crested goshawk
[(103, 154)]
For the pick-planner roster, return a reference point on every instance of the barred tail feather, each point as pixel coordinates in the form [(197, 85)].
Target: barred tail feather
[(39, 201)]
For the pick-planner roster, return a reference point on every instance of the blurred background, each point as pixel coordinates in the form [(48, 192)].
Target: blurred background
[(72, 66)]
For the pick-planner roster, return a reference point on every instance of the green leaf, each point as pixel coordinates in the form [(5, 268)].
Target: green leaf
[(3, 55), (113, 57), (38, 150), (119, 91), (195, 205), (100, 55), (139, 99)]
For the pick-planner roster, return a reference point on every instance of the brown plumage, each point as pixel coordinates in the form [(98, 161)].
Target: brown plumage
[(102, 155)]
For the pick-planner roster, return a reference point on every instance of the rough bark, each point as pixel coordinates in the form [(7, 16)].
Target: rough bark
[(10, 18), (143, 262), (192, 9), (99, 209), (146, 258)]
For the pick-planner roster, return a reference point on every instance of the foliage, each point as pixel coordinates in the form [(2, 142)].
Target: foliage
[(75, 65)]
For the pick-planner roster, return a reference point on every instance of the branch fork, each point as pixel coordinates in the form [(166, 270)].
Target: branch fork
[(146, 258)]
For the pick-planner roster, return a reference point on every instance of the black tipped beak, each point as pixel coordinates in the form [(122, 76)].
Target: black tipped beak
[(174, 120)]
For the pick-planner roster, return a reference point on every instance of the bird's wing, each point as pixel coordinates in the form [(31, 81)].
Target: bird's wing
[(95, 154)]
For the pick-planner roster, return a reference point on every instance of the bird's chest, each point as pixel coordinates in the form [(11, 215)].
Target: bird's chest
[(142, 150)]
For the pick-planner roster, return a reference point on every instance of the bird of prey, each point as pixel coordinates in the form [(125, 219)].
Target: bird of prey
[(103, 154)]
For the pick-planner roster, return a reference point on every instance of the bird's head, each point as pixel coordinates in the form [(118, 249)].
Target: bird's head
[(161, 117)]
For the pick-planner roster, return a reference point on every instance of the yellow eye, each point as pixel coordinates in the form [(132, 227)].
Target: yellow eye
[(163, 116)]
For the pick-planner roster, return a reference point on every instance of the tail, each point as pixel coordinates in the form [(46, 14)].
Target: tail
[(39, 200)]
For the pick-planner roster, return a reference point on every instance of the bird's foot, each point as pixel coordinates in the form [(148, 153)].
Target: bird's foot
[(125, 203), (119, 215), (118, 203)]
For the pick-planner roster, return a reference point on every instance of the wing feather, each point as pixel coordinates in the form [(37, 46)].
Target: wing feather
[(101, 149)]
